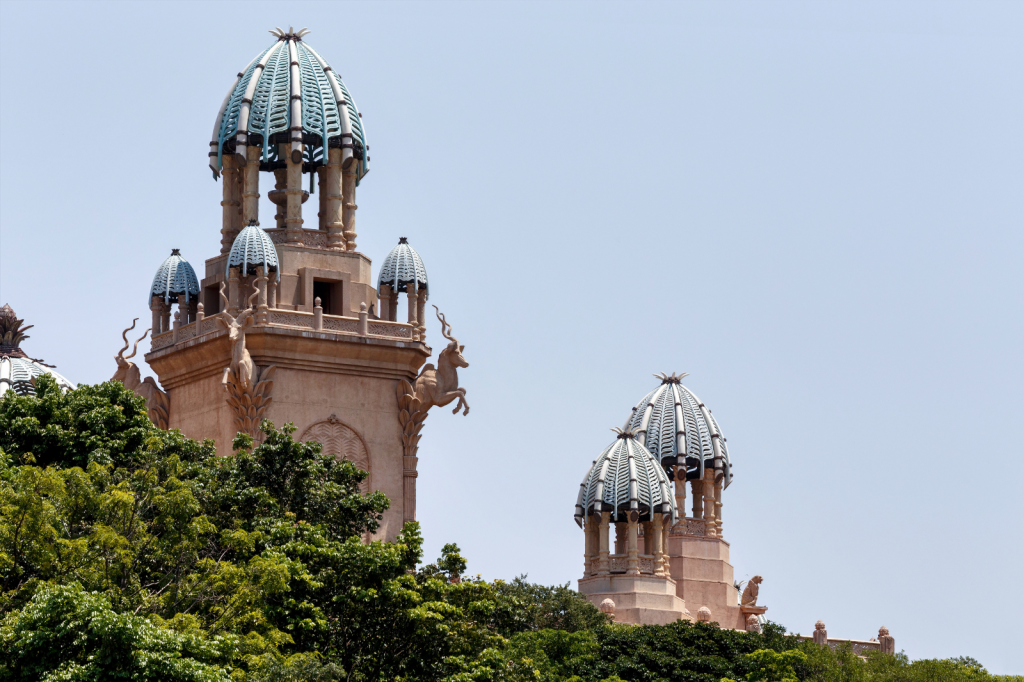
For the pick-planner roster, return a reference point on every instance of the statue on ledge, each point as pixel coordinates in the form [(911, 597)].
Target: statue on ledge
[(750, 591)]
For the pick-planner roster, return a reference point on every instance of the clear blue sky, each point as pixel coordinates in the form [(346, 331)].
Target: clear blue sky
[(815, 209)]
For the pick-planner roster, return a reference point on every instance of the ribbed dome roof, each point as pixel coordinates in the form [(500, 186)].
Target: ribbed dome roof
[(289, 84), (17, 369), (174, 278), (625, 478), (251, 249), (403, 267), (677, 428)]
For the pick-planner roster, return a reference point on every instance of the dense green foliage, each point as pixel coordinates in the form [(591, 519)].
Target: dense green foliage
[(130, 553)]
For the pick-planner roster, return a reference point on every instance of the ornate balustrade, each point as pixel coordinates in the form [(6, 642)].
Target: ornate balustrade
[(330, 324), (619, 563)]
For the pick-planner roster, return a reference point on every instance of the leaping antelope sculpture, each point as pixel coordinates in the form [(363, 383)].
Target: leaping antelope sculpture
[(157, 402)]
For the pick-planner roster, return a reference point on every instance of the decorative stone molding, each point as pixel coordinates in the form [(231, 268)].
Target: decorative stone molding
[(158, 404), (689, 527), (342, 442), (608, 607), (247, 385), (304, 320), (704, 614)]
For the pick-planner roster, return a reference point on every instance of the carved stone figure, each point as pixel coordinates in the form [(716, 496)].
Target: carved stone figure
[(434, 386), (820, 636), (157, 402), (704, 614), (608, 607), (753, 624), (248, 386), (886, 642), (750, 591)]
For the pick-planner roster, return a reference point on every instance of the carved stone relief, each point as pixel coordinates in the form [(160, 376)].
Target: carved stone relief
[(342, 442)]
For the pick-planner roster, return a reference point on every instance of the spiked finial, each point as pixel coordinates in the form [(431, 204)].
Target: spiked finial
[(671, 378), (12, 333)]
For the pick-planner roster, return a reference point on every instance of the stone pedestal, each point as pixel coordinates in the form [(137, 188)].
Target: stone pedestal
[(704, 577), (646, 600)]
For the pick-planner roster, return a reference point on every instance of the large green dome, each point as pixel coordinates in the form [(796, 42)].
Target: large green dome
[(290, 95)]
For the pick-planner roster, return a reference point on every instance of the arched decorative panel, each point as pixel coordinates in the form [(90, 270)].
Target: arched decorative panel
[(342, 442)]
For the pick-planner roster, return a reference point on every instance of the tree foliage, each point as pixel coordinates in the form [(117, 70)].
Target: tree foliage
[(127, 552)]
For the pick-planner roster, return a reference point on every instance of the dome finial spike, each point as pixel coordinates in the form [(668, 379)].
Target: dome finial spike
[(671, 378), (625, 434)]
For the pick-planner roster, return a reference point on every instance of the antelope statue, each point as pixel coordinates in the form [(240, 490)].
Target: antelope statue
[(241, 361), (128, 373), (441, 386)]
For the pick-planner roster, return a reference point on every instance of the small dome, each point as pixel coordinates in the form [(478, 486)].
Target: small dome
[(263, 100), (17, 370), (671, 416), (625, 478), (251, 249), (403, 267), (174, 278)]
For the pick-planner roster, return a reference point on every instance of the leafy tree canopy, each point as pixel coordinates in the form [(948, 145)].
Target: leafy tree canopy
[(131, 553)]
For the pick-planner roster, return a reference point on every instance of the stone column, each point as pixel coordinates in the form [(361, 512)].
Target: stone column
[(710, 527), (413, 316), (231, 202), (321, 213), (251, 187), (200, 316), (633, 560), (261, 300), (177, 324), (272, 291), (680, 487), (280, 183), (233, 292), (318, 315), (718, 503), (183, 309), (156, 307), (659, 544), (364, 320), (385, 301), (348, 190), (421, 307), (697, 488), (165, 316), (293, 209), (393, 307), (620, 538), (409, 488), (647, 527), (588, 544), (603, 567), (332, 198)]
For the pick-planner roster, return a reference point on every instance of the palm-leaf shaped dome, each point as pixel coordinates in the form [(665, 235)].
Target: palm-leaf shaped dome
[(174, 278), (251, 249), (403, 268), (289, 88), (17, 370), (679, 430), (625, 478)]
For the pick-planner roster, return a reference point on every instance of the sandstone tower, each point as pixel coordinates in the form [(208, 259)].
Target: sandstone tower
[(665, 551), (286, 322)]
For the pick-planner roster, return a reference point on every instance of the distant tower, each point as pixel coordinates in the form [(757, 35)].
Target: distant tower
[(282, 325), (17, 370), (673, 441), (627, 490)]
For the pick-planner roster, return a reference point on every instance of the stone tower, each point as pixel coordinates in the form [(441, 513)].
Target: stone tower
[(674, 428), (284, 324)]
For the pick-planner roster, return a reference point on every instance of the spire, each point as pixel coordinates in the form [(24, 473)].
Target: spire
[(12, 333)]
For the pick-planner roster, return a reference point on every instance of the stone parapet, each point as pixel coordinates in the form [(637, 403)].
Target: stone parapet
[(647, 600)]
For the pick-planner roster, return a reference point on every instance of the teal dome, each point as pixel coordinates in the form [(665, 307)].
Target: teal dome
[(403, 269), (289, 94), (624, 479), (251, 249), (175, 278)]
